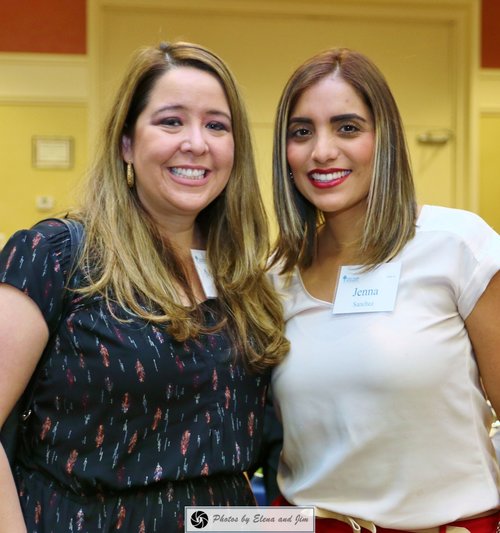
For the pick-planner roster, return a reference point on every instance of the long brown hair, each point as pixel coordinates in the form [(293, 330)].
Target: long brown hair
[(128, 262), (391, 205)]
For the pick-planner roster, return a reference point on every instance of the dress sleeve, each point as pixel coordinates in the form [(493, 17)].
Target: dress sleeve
[(480, 261), (36, 261)]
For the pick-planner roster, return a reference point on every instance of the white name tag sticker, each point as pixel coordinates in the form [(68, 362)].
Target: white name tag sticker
[(206, 279), (368, 292)]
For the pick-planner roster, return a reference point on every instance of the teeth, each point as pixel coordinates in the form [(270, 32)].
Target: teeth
[(316, 176), (190, 173)]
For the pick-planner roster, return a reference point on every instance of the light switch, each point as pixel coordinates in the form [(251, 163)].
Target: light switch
[(44, 202)]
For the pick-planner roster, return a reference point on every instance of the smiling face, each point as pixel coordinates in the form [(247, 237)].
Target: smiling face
[(182, 146), (330, 146)]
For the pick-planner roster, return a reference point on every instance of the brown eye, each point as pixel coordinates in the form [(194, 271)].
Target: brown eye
[(299, 132), (171, 122), (348, 128), (216, 126)]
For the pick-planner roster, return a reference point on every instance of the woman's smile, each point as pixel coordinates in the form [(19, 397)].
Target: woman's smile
[(191, 175), (330, 146), (323, 178), (182, 147)]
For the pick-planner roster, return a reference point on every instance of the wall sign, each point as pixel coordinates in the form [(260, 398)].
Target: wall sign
[(52, 152)]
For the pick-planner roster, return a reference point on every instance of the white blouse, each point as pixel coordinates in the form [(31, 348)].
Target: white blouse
[(383, 413)]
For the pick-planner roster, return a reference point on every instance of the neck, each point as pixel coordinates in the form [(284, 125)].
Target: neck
[(183, 236), (340, 237)]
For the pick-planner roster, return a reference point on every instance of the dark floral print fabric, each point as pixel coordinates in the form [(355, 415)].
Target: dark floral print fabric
[(128, 425)]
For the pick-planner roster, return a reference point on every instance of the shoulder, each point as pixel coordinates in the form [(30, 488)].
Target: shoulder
[(50, 238), (48, 232), (45, 246), (51, 229), (435, 218), (459, 225), (282, 282), (36, 261), (463, 245)]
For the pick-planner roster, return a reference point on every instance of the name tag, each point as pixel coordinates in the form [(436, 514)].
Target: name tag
[(206, 279), (368, 292)]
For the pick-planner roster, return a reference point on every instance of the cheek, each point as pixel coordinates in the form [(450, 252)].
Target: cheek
[(147, 149), (231, 152), (294, 155), (367, 152), (226, 155)]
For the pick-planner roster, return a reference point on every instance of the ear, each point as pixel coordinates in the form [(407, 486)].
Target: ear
[(126, 148)]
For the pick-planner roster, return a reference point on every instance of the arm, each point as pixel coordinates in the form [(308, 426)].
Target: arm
[(483, 326), (23, 336)]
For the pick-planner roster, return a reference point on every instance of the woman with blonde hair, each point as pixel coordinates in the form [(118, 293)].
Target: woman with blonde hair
[(153, 380), (392, 314)]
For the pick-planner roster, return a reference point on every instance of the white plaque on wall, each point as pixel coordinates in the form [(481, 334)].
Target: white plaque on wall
[(52, 152)]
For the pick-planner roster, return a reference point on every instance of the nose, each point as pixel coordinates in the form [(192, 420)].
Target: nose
[(194, 142), (325, 148)]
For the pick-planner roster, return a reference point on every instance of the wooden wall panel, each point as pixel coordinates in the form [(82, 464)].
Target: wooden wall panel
[(490, 34), (424, 48), (59, 26), (43, 26)]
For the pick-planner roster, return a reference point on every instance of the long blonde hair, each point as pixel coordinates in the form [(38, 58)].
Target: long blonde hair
[(127, 261), (391, 206)]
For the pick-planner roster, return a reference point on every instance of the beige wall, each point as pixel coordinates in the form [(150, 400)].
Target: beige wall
[(488, 105), (40, 95), (427, 48), (22, 183), (489, 161)]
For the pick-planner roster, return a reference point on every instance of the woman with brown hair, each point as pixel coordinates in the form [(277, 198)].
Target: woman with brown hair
[(153, 383), (392, 314)]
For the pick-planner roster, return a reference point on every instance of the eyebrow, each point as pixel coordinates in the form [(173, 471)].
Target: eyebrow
[(335, 118), (179, 107)]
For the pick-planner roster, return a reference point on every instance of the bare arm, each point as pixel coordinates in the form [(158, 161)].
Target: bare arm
[(23, 336), (483, 326)]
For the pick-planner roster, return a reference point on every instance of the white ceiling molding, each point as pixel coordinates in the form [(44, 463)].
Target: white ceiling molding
[(40, 78)]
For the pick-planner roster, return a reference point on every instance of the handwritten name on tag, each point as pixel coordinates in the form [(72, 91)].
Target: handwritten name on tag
[(368, 292), (206, 278)]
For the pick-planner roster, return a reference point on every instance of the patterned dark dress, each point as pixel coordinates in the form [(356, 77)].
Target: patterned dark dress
[(129, 426)]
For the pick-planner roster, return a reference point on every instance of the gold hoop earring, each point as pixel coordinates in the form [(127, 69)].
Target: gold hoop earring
[(130, 175)]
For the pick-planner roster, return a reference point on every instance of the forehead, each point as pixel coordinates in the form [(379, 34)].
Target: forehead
[(188, 84), (330, 92)]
